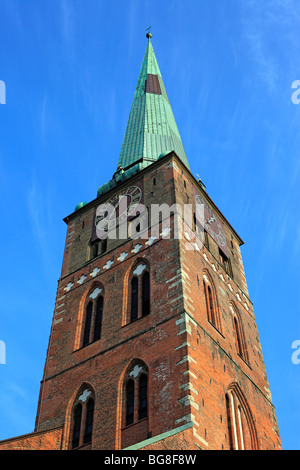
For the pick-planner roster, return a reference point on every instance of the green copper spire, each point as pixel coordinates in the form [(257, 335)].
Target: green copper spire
[(151, 128)]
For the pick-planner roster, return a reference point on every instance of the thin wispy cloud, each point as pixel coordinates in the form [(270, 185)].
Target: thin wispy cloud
[(68, 29), (264, 24), (67, 21), (40, 199), (34, 201)]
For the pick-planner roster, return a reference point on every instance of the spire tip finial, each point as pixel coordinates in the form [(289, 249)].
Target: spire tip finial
[(148, 35)]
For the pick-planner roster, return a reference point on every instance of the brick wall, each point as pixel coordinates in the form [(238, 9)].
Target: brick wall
[(190, 364), (47, 440)]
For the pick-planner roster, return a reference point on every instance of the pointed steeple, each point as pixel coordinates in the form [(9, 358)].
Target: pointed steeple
[(151, 128)]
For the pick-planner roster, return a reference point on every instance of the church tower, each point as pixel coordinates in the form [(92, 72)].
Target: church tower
[(153, 343)]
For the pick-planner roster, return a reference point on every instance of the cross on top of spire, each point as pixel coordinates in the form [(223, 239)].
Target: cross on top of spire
[(148, 35)]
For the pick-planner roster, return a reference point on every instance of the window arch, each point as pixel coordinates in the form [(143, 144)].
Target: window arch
[(212, 307), (139, 291), (77, 425), (92, 315), (143, 396), (88, 323), (241, 430), (89, 421), (98, 318), (146, 294), (136, 393), (129, 402), (239, 334), (134, 298), (82, 418), (133, 413)]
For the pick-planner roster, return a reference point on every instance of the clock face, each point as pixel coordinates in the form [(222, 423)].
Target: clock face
[(212, 224), (118, 208)]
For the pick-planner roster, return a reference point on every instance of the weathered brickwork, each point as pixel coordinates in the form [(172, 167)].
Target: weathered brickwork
[(191, 364), (47, 440)]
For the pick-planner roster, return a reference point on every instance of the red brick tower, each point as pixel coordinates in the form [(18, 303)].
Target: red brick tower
[(154, 343)]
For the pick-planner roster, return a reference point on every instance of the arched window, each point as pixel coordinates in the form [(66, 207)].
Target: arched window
[(129, 401), (212, 308), (146, 294), (139, 301), (229, 421), (136, 394), (240, 425), (134, 412), (88, 322), (89, 421), (93, 313), (237, 337), (143, 396), (98, 320), (134, 299), (239, 334), (82, 418), (76, 425)]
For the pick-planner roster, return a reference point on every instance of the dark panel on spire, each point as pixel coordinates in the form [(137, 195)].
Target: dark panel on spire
[(152, 84)]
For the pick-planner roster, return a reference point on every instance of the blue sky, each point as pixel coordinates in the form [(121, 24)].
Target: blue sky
[(70, 68)]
